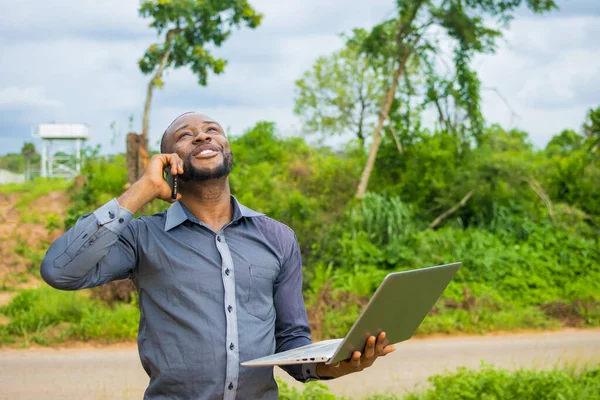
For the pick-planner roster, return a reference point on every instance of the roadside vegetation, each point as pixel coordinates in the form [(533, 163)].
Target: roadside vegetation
[(529, 261), (483, 383)]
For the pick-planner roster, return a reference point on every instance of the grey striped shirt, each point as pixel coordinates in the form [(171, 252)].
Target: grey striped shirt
[(208, 300)]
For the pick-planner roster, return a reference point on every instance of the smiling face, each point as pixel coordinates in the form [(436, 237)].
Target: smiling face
[(201, 143)]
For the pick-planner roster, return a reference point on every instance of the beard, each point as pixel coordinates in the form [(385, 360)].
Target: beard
[(191, 173)]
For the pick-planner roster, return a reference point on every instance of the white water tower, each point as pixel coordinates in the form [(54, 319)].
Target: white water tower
[(61, 148)]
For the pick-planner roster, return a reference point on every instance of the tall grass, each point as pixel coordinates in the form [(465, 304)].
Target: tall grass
[(47, 316), (381, 218)]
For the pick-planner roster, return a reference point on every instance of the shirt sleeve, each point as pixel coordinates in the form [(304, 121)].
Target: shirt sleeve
[(291, 324), (100, 248)]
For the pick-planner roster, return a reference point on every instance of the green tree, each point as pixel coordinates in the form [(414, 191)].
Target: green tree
[(340, 93), (188, 27), (28, 151), (591, 128), (565, 142), (471, 25)]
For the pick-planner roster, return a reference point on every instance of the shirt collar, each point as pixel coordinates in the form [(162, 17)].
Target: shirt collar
[(178, 214)]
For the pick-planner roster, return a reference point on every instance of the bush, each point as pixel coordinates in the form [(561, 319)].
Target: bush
[(524, 384), (484, 383)]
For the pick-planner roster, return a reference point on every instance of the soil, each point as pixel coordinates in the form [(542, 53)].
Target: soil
[(30, 236)]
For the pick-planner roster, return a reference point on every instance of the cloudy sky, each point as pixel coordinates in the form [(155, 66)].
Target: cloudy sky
[(76, 61)]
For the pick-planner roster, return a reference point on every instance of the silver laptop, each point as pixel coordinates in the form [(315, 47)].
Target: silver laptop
[(398, 307)]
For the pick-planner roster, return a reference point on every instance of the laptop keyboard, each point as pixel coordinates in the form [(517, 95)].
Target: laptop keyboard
[(312, 350)]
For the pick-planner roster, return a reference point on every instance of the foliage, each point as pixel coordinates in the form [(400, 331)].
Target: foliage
[(311, 391), (591, 128), (490, 383), (526, 263), (28, 150), (525, 260), (401, 44), (290, 181), (12, 162), (341, 92), (486, 382), (191, 28), (105, 179)]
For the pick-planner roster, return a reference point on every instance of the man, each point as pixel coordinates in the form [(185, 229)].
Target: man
[(218, 283)]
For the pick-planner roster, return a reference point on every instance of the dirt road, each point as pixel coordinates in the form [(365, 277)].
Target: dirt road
[(115, 372)]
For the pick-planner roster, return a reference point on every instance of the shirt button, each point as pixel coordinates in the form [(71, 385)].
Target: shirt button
[(227, 272), (229, 308), (231, 346), (121, 220), (230, 385), (111, 214), (219, 238)]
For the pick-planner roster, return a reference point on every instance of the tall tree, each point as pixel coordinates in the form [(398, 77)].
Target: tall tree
[(473, 26), (188, 29), (340, 93), (28, 151)]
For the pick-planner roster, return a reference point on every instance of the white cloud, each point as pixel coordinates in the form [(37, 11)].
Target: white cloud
[(44, 20), (29, 97), (548, 71)]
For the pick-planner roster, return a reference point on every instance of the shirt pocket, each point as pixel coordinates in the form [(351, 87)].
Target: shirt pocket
[(260, 299)]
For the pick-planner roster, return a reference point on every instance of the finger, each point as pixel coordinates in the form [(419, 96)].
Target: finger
[(180, 165), (390, 348), (380, 343), (355, 360), (170, 161), (370, 348), (174, 162)]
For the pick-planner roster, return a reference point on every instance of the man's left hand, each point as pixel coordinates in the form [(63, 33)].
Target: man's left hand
[(375, 347)]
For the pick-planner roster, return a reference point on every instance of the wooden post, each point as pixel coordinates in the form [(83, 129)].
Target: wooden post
[(133, 158)]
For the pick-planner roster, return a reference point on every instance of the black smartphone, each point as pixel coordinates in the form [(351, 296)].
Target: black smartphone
[(171, 180)]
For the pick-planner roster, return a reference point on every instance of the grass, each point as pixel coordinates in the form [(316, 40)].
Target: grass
[(33, 190), (333, 311), (38, 185), (483, 320), (483, 383), (33, 254), (47, 316)]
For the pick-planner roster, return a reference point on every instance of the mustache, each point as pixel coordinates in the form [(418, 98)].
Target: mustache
[(192, 173)]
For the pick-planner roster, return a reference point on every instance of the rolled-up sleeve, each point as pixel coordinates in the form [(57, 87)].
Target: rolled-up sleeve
[(291, 325), (98, 249)]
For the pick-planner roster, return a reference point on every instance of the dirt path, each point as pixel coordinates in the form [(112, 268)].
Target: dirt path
[(115, 372)]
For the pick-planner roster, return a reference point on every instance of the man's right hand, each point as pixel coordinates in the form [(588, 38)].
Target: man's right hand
[(152, 184)]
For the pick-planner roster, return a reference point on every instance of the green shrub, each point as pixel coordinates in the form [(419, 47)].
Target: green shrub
[(523, 384), (484, 383)]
